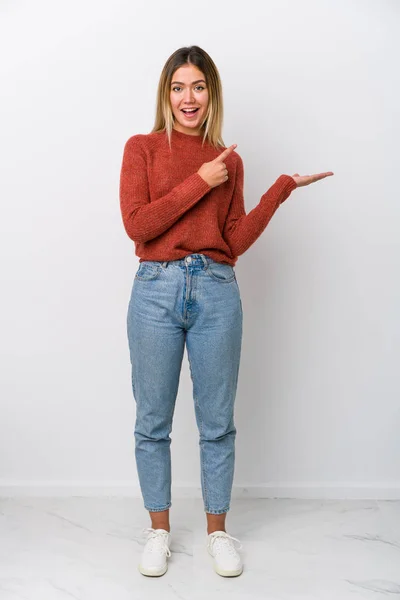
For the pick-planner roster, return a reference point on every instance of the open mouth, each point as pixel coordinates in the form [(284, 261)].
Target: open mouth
[(189, 113)]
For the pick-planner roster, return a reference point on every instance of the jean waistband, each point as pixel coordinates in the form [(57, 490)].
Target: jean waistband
[(189, 259)]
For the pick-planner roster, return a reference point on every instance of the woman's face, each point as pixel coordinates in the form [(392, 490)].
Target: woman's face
[(188, 90)]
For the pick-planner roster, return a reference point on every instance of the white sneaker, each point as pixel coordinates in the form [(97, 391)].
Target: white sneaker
[(156, 550), (227, 561)]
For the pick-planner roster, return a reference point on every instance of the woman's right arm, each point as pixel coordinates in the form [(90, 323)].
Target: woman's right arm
[(144, 220)]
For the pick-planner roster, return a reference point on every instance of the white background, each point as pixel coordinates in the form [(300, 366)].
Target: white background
[(308, 86)]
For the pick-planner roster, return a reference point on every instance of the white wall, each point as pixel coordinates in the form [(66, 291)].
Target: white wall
[(309, 86)]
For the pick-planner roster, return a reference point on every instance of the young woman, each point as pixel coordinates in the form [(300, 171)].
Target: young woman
[(181, 198)]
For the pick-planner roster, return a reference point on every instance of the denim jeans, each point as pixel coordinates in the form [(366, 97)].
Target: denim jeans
[(195, 300)]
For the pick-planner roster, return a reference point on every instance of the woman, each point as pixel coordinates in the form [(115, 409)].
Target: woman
[(181, 197)]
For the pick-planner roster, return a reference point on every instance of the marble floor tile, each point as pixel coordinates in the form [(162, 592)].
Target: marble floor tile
[(88, 548)]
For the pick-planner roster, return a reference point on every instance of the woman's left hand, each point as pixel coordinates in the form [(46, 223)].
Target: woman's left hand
[(307, 179)]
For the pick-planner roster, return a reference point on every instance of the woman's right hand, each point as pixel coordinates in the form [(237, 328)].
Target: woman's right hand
[(215, 172), (307, 179)]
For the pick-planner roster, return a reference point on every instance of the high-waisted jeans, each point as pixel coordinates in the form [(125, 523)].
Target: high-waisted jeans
[(194, 300)]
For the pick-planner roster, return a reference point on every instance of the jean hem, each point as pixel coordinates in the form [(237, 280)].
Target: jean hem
[(159, 509), (216, 512)]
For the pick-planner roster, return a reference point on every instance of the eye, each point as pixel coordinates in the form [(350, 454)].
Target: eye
[(178, 87)]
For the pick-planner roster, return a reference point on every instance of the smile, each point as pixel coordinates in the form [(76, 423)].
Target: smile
[(189, 113)]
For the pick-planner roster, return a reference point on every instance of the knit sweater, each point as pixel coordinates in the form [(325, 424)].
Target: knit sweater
[(170, 211)]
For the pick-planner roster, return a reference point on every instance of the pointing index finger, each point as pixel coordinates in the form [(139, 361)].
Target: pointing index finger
[(226, 152)]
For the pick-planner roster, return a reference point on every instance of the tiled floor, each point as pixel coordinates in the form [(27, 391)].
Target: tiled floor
[(89, 548)]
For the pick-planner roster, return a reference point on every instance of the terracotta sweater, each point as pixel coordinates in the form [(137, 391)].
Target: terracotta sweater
[(169, 211)]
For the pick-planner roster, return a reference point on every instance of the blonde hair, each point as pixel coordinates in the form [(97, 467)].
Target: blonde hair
[(211, 125)]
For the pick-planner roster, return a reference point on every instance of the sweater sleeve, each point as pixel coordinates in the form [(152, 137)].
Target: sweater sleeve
[(144, 220), (240, 229)]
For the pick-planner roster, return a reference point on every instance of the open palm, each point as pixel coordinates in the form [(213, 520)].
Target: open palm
[(307, 179)]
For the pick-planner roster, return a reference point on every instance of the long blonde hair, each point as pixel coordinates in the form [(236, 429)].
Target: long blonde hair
[(212, 122)]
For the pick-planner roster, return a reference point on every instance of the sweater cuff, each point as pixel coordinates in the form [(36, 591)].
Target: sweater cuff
[(285, 186), (196, 186)]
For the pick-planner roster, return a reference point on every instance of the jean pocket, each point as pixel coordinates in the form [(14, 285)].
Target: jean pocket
[(221, 272), (148, 271)]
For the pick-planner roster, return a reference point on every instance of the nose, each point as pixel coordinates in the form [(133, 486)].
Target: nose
[(188, 96)]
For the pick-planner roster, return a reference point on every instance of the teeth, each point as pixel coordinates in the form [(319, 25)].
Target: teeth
[(189, 109)]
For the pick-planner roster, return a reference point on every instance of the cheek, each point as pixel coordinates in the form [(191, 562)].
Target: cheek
[(204, 101)]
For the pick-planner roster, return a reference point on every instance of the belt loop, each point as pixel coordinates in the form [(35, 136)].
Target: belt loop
[(164, 264), (204, 259)]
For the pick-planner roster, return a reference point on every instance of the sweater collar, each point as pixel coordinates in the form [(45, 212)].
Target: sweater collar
[(179, 135)]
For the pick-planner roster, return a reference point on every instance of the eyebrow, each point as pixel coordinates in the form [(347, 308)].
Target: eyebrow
[(193, 82)]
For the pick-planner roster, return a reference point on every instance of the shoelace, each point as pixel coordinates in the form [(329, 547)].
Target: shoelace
[(223, 542), (158, 540)]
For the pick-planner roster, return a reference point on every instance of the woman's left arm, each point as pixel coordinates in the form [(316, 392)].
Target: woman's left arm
[(240, 229)]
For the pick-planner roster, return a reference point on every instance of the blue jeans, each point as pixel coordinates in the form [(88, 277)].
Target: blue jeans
[(194, 300)]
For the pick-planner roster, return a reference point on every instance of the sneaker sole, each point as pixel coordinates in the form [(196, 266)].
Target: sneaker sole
[(228, 573), (153, 572)]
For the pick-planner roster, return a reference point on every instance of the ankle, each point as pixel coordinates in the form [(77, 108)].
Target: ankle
[(209, 531), (216, 522), (160, 519)]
